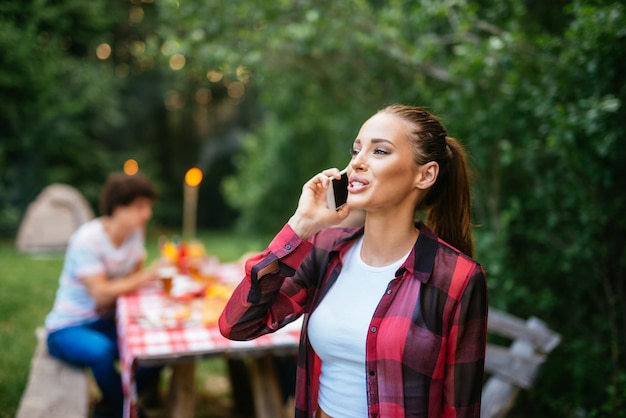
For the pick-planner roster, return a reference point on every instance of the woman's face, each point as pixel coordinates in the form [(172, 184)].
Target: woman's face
[(383, 173)]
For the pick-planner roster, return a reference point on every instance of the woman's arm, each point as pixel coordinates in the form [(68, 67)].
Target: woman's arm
[(466, 350), (271, 294)]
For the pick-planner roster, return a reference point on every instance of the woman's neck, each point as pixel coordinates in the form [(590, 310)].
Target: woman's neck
[(387, 240), (117, 232)]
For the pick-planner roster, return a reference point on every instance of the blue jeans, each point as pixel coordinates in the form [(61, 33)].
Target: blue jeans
[(94, 345)]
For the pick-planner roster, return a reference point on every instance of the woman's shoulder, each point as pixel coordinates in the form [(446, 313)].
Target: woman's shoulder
[(449, 269), (451, 251), (444, 249)]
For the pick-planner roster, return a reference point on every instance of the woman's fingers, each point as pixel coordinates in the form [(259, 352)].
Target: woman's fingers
[(332, 172), (323, 178)]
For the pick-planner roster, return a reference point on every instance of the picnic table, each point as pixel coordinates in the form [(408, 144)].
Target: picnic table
[(147, 337)]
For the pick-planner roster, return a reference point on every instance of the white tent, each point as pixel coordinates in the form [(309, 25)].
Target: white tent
[(51, 219)]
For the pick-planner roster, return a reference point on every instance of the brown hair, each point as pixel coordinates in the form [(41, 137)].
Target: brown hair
[(122, 189), (448, 201)]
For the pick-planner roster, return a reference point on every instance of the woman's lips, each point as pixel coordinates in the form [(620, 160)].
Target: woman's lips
[(357, 184)]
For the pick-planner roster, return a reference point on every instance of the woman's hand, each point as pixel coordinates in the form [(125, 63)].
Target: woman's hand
[(313, 213)]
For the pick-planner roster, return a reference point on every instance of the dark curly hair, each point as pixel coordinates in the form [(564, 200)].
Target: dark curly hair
[(122, 189)]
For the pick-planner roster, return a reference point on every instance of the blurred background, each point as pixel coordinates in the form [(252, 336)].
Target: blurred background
[(261, 95)]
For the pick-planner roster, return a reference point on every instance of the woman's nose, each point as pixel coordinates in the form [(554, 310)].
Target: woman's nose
[(358, 161)]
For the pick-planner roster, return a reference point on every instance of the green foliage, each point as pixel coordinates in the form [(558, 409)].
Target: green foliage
[(55, 93), (573, 208)]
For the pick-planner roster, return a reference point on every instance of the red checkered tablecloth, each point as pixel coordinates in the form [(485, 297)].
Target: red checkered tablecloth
[(142, 339)]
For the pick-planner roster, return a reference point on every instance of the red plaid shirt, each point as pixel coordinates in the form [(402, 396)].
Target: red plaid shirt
[(425, 347)]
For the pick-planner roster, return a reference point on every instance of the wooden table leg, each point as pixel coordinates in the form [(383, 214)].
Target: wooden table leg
[(241, 387), (265, 387), (182, 390)]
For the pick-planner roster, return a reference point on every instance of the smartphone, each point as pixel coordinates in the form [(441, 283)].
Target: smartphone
[(337, 192)]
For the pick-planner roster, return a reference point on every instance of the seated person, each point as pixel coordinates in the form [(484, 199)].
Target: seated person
[(104, 259)]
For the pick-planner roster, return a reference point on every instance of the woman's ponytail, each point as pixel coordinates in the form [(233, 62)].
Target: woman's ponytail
[(448, 203), (450, 214)]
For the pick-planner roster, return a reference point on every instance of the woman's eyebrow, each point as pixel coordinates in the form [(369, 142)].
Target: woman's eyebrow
[(376, 141), (383, 141)]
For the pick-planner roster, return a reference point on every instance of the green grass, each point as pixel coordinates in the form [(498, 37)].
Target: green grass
[(27, 287)]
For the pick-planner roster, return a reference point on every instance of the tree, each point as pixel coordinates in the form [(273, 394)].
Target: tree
[(56, 98)]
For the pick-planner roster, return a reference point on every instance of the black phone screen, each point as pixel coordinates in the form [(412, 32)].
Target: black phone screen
[(340, 189)]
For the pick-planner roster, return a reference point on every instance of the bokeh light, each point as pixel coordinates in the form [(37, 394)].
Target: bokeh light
[(131, 167), (177, 62), (135, 15), (243, 74), (236, 90), (193, 177), (214, 76), (103, 51), (203, 96)]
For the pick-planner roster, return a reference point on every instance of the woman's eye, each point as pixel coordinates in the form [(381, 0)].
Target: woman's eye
[(380, 151), (354, 152)]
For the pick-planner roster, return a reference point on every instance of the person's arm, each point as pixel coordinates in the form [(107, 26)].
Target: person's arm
[(271, 294), (105, 292), (466, 350), (264, 301), (312, 213)]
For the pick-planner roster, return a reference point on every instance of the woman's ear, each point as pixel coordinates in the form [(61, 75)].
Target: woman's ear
[(427, 175)]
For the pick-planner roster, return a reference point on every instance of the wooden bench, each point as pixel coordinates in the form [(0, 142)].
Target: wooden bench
[(511, 369), (54, 389)]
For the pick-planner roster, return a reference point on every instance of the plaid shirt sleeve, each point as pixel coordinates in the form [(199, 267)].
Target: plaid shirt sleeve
[(263, 302)]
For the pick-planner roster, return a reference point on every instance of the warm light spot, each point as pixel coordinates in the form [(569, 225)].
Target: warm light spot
[(203, 96), (103, 51), (193, 177), (243, 74), (135, 15), (214, 76), (131, 167), (177, 62), (236, 90)]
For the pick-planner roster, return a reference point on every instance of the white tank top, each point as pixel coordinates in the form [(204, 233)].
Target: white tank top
[(338, 330)]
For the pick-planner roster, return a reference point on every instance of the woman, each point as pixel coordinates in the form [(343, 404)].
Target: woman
[(104, 260), (395, 311)]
